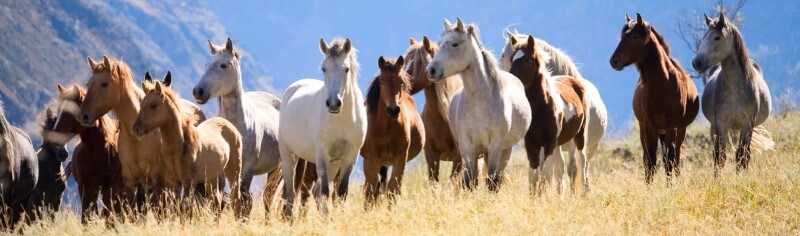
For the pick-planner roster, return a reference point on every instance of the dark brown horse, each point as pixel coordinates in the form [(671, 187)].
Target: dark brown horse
[(46, 196), (665, 101), (440, 144), (95, 160), (395, 134), (560, 108)]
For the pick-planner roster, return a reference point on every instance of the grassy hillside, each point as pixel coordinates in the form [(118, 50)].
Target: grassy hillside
[(763, 200)]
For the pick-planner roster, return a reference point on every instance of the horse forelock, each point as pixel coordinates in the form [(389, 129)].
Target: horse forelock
[(337, 50)]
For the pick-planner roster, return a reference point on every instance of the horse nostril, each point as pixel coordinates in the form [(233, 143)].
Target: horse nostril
[(432, 71), (198, 91), (697, 64), (327, 103), (614, 62), (85, 118)]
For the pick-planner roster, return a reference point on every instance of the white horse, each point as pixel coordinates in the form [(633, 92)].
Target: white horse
[(559, 63), (736, 96), (490, 113), (255, 114), (324, 122)]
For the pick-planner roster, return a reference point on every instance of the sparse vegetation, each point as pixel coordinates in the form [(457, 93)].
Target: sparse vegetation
[(762, 200)]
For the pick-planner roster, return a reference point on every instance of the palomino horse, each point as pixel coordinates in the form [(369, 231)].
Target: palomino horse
[(112, 87), (395, 134), (736, 96), (559, 63), (95, 161), (559, 103), (440, 144), (19, 171), (490, 114), (665, 101), (52, 180), (201, 154), (323, 122), (255, 114)]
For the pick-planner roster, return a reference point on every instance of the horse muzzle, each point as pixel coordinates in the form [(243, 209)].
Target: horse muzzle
[(616, 64), (393, 112), (699, 65), (138, 129), (200, 95), (334, 106), (86, 120)]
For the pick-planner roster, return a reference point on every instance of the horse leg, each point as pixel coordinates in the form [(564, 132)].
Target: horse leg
[(396, 181), (668, 142), (305, 176), (246, 197), (743, 151), (288, 163), (680, 136), (649, 139), (89, 193), (469, 156), (324, 173), (720, 137), (432, 158), (458, 166), (371, 181)]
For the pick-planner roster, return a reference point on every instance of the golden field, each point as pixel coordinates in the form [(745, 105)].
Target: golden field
[(762, 200)]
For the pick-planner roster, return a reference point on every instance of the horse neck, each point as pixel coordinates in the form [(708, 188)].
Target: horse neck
[(477, 83), (734, 70), (174, 130), (351, 94), (97, 133), (128, 108), (231, 106), (657, 67)]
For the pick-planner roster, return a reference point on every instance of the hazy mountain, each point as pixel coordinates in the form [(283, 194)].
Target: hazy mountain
[(46, 42)]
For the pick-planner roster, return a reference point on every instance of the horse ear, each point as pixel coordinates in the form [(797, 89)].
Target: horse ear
[(460, 26), (143, 88), (639, 19), (229, 46), (722, 21), (61, 89), (627, 18), (49, 113), (427, 44), (400, 62), (168, 78), (708, 19), (512, 40), (347, 46), (92, 63), (147, 76), (531, 47), (323, 46), (381, 62), (447, 24), (107, 63), (214, 48), (412, 41)]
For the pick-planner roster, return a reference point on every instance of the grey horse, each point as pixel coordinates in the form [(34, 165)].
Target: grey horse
[(19, 170)]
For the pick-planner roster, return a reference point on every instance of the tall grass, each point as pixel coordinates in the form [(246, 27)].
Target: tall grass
[(761, 200)]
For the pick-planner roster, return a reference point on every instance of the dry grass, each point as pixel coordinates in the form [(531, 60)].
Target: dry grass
[(763, 200)]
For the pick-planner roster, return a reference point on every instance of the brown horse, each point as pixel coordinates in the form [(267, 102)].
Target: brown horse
[(665, 101), (112, 87), (190, 154), (395, 134), (560, 108), (95, 161), (440, 144)]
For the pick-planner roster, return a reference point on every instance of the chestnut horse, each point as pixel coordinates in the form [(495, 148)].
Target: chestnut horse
[(395, 134), (665, 101), (559, 103), (440, 144), (95, 161), (112, 87), (736, 96), (191, 155)]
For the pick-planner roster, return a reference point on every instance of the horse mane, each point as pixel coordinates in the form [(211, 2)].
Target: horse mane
[(337, 49), (665, 46), (121, 73), (559, 62), (489, 61), (9, 139), (373, 95), (741, 51)]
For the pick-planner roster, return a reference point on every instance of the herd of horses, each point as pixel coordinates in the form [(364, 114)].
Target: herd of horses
[(158, 146)]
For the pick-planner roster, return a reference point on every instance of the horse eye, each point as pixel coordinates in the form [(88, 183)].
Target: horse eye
[(717, 38), (347, 70), (455, 45), (223, 65), (323, 70), (104, 84)]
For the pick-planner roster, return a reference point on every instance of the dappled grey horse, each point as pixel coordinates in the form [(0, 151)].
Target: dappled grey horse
[(19, 170), (736, 96)]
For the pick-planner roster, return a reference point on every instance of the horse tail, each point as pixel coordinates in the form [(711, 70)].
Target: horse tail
[(273, 189), (761, 141)]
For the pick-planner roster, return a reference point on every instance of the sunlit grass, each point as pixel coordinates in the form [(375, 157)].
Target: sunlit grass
[(762, 200)]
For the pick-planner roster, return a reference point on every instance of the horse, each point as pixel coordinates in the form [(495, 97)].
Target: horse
[(559, 63), (440, 144), (665, 101), (19, 171), (255, 114), (46, 196), (112, 87), (324, 122), (95, 161), (736, 96), (201, 154), (395, 131), (490, 113), (561, 119)]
